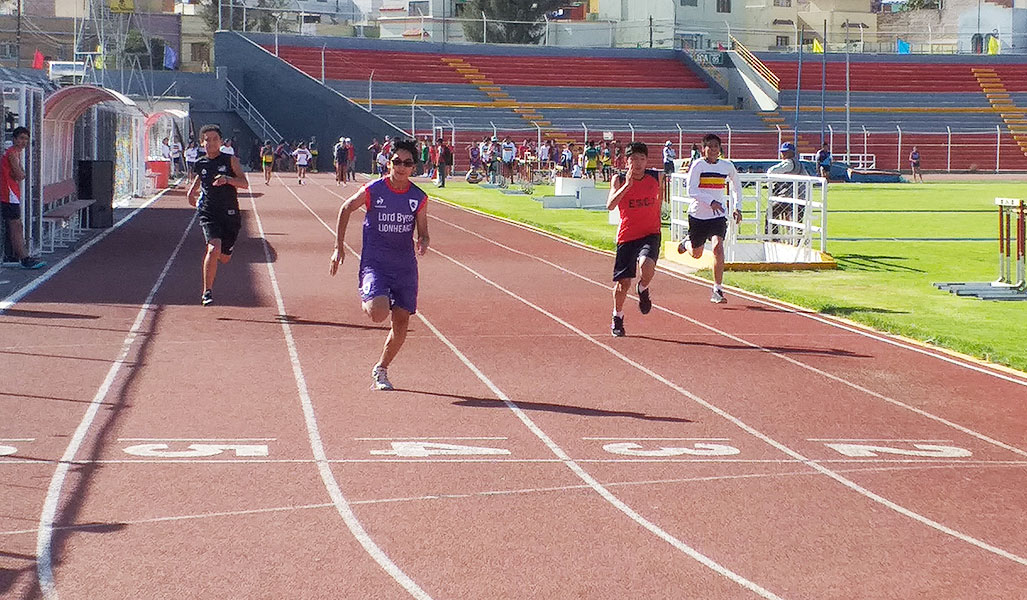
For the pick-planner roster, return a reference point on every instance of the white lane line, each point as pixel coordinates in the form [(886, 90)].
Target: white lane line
[(581, 473), (752, 431), (455, 496), (755, 346), (44, 540), (645, 460), (17, 439), (783, 306), (13, 298), (873, 440), (658, 439), (389, 439), (317, 446), (197, 439), (593, 483)]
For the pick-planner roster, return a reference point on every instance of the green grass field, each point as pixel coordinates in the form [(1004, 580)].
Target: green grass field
[(884, 284)]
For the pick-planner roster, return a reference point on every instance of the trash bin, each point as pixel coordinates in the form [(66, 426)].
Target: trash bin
[(96, 182), (163, 170)]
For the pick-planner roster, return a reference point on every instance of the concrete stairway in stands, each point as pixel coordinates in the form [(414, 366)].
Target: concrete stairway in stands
[(1015, 118)]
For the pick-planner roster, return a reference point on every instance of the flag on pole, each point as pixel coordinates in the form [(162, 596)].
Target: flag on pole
[(901, 46), (170, 58), (818, 48), (37, 60)]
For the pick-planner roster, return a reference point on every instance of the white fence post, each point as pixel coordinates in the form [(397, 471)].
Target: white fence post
[(680, 138), (898, 157), (866, 143), (413, 130), (998, 145), (948, 151), (830, 144), (778, 135)]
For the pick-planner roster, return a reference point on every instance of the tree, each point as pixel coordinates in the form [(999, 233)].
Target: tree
[(528, 29), (260, 17)]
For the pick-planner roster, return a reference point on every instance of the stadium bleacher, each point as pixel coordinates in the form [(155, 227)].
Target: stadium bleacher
[(955, 112)]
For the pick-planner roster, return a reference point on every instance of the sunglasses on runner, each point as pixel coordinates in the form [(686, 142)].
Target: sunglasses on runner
[(403, 163)]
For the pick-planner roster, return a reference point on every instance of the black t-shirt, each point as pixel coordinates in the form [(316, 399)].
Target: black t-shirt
[(216, 197)]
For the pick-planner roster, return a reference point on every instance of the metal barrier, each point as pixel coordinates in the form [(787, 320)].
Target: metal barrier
[(1011, 243), (790, 210)]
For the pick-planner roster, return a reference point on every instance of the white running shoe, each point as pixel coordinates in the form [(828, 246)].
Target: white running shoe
[(380, 379), (717, 297)]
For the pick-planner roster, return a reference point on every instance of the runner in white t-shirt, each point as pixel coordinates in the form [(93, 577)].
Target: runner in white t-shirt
[(302, 156)]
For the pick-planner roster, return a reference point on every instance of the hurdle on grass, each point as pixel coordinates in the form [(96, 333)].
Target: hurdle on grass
[(1011, 243)]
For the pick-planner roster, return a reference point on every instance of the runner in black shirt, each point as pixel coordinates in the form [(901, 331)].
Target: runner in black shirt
[(218, 176)]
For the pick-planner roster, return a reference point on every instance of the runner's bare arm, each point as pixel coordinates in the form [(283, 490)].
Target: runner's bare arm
[(240, 180), (618, 186), (350, 206), (17, 172), (194, 191), (422, 231)]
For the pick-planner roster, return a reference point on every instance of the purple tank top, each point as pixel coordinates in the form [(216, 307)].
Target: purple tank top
[(389, 225)]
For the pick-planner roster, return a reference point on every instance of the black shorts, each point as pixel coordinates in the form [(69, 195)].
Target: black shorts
[(628, 254), (702, 230), (10, 211), (221, 225)]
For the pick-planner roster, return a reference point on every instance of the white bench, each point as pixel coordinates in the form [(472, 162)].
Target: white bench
[(64, 223)]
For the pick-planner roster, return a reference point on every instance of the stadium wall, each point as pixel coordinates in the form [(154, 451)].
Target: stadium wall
[(298, 106)]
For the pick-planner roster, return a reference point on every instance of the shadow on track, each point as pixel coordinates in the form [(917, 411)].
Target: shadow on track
[(476, 402), (292, 320), (777, 349)]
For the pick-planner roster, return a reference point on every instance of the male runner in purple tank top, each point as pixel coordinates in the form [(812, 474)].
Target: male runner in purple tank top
[(388, 264)]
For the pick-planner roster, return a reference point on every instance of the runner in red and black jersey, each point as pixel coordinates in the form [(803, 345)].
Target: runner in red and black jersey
[(637, 195)]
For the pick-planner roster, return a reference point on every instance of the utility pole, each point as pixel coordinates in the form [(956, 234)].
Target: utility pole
[(17, 64)]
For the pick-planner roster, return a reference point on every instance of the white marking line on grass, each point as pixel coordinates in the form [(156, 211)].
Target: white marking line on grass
[(783, 306), (577, 470), (754, 432), (429, 497), (756, 346), (10, 300), (317, 446), (44, 540)]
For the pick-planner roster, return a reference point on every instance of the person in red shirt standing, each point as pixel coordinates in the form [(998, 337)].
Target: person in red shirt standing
[(11, 176), (637, 194)]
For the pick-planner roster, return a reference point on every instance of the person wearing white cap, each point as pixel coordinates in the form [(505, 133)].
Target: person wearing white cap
[(340, 156), (668, 157)]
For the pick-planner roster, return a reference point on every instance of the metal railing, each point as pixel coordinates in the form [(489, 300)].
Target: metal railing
[(245, 109), (756, 64), (790, 210)]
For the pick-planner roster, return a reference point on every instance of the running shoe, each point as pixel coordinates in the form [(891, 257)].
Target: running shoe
[(380, 379), (645, 304), (207, 299), (717, 297), (684, 246), (32, 263), (617, 328)]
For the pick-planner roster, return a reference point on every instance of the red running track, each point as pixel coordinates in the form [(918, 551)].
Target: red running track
[(159, 449)]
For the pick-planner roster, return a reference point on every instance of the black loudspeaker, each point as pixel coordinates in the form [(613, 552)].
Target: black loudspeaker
[(96, 182)]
